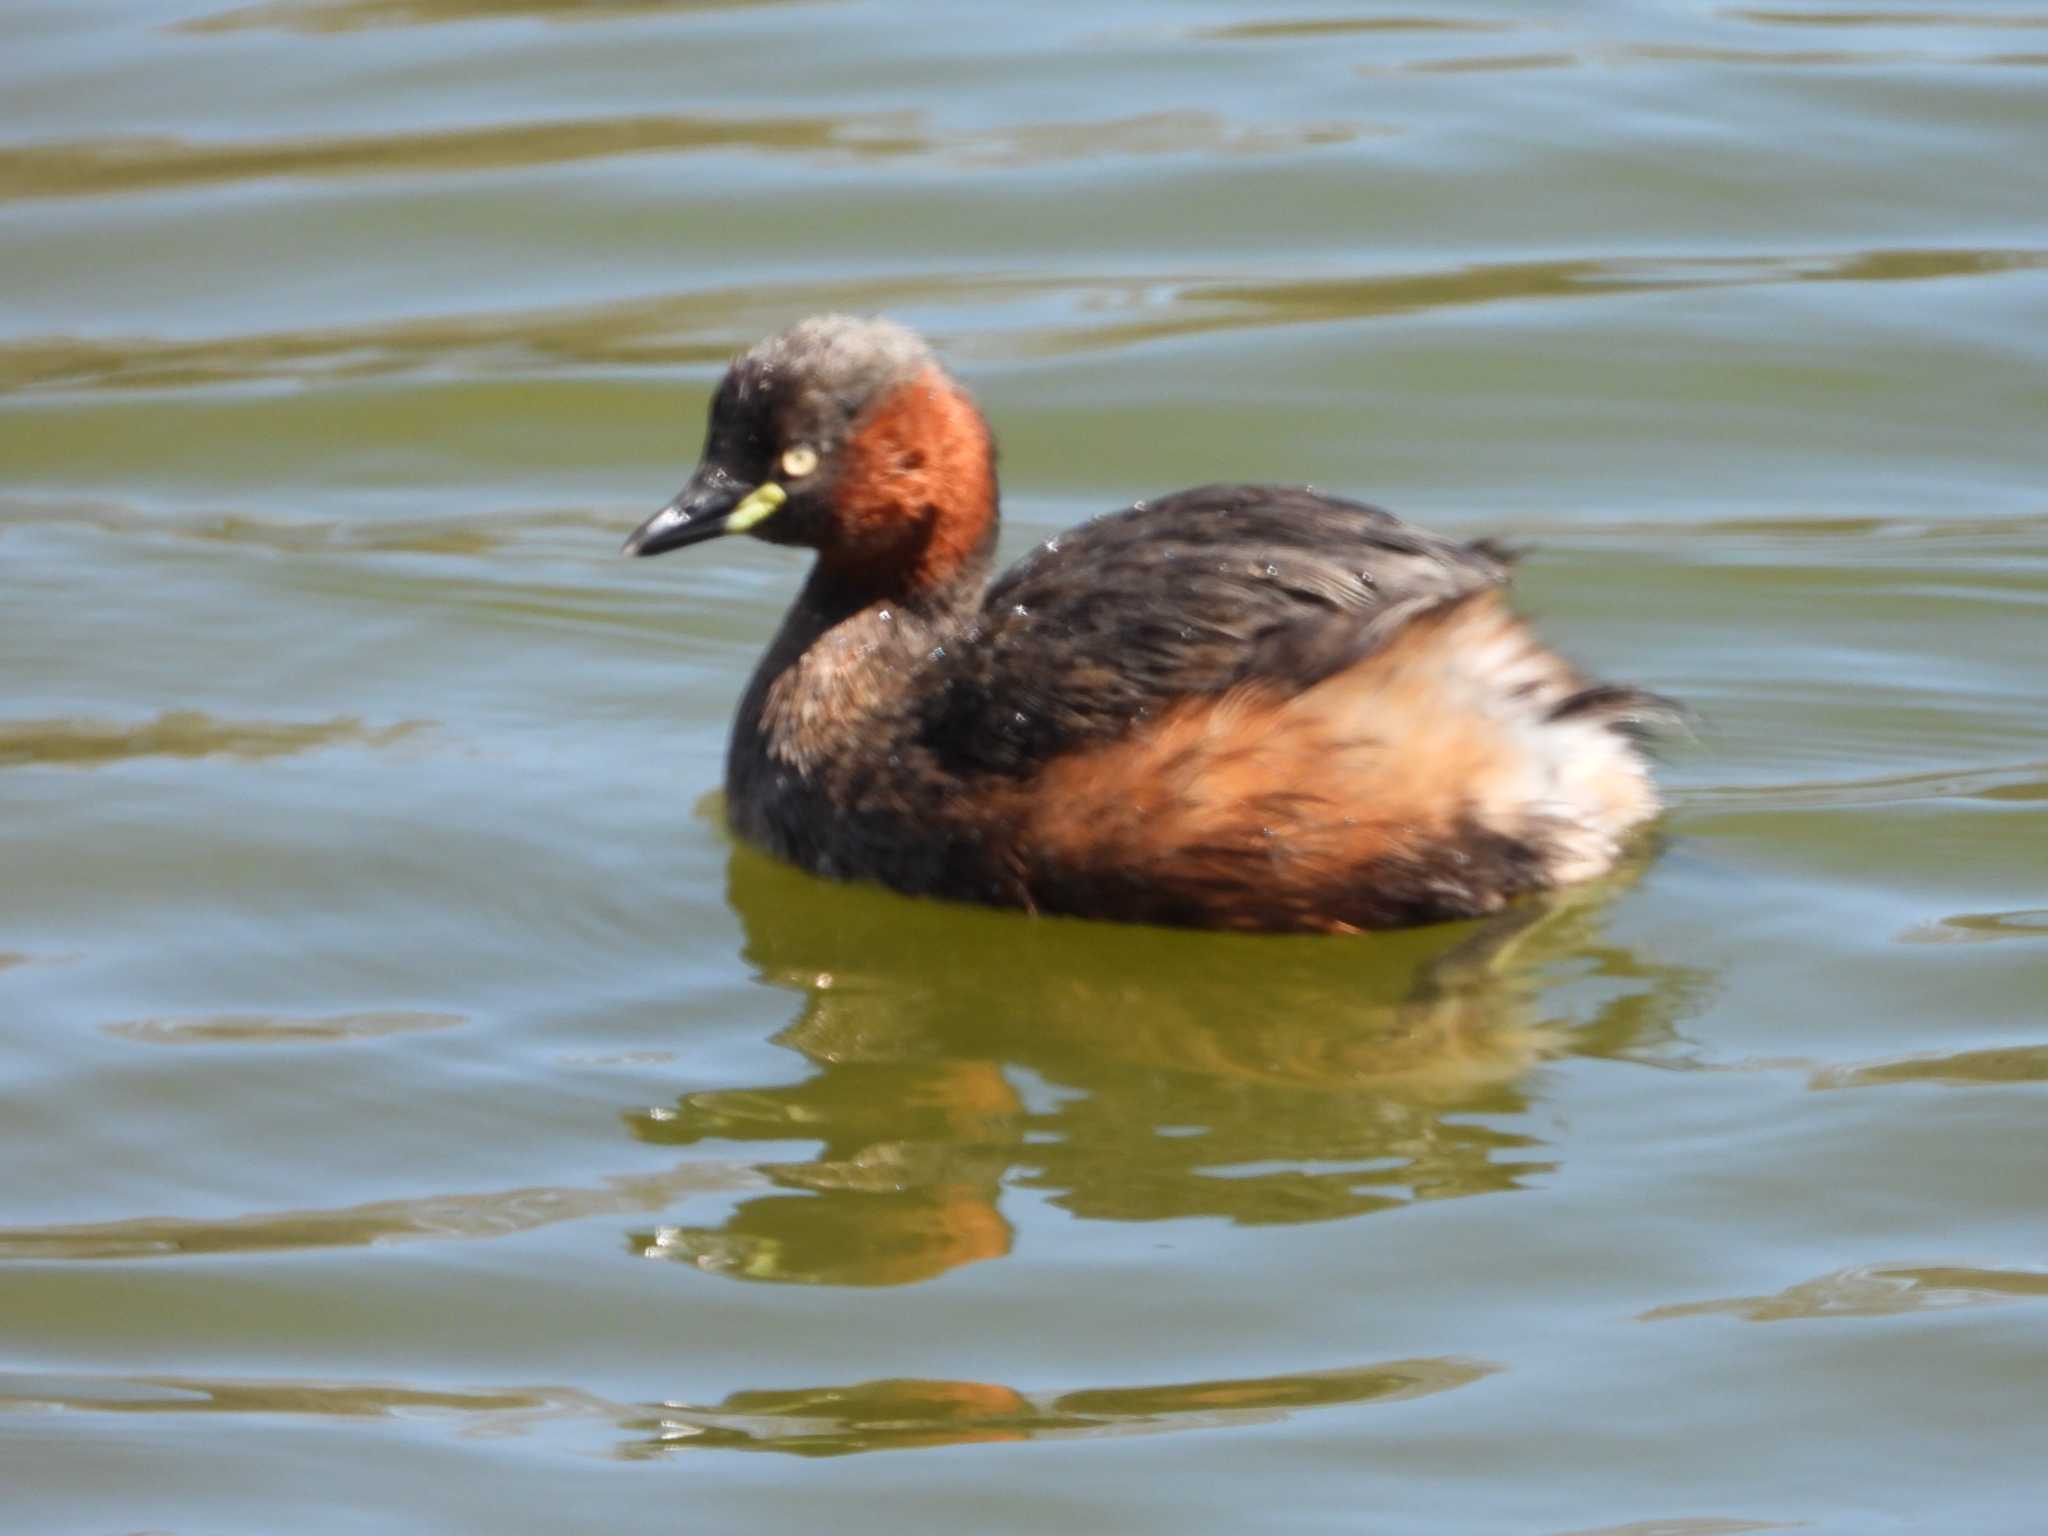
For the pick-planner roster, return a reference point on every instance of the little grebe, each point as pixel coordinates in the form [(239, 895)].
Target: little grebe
[(1242, 706)]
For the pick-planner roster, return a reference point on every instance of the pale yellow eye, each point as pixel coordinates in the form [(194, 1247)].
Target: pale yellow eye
[(799, 461)]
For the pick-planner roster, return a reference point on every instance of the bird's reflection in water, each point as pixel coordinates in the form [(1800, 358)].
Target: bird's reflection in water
[(915, 1415), (839, 1420), (1136, 1074)]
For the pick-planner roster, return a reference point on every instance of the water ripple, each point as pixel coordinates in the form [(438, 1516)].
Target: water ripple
[(74, 743), (1984, 927), (494, 1213), (104, 167), (1684, 1525), (706, 327), (1872, 1290), (1621, 55), (895, 1414), (1943, 19), (358, 15), (1999, 1065), (97, 167), (451, 535), (1345, 26), (277, 1029), (2021, 781), (1477, 63)]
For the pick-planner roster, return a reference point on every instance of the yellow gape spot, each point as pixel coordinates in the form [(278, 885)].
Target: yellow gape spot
[(759, 504)]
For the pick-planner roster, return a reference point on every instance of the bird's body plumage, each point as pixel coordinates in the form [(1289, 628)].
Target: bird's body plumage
[(1238, 706)]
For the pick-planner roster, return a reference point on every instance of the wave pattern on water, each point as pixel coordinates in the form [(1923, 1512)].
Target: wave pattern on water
[(1900, 18), (277, 1029), (1872, 1290), (2021, 781), (889, 1415), (1692, 53), (357, 15), (1344, 26), (1689, 1525), (182, 733), (105, 167), (492, 1214), (465, 535), (2000, 1065), (697, 329), (1984, 927)]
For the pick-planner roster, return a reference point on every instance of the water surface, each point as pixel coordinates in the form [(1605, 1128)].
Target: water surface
[(418, 1115)]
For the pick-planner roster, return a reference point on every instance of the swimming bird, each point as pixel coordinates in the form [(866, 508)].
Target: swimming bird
[(1240, 706)]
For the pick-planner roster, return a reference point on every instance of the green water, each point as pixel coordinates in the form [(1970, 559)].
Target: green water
[(417, 1116)]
